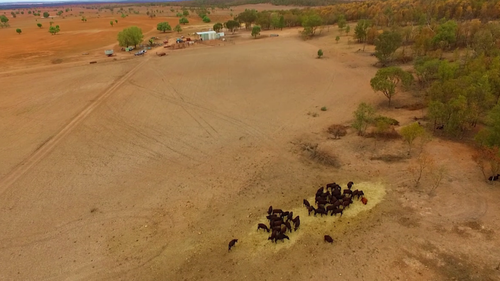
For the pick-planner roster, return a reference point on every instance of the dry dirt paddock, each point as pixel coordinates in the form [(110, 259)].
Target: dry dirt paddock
[(144, 169)]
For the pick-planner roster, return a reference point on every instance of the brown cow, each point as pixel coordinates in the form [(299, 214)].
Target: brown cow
[(364, 200)]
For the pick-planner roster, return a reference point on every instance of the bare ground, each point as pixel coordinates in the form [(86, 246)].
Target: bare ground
[(144, 169)]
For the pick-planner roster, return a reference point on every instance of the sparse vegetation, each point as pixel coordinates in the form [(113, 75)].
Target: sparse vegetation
[(363, 117), (4, 21), (39, 25), (54, 29), (163, 26), (130, 36), (320, 54), (18, 30), (387, 79), (178, 28), (255, 31), (232, 25), (218, 27), (320, 155), (410, 133), (183, 20)]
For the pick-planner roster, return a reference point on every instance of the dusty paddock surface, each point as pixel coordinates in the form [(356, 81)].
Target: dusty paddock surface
[(144, 169)]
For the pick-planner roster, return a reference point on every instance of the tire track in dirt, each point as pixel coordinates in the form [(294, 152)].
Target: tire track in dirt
[(45, 148), (252, 130), (191, 113)]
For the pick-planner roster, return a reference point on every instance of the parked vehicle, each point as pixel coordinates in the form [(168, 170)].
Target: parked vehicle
[(140, 53)]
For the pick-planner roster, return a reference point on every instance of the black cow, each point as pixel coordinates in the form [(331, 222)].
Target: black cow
[(328, 239), (262, 226), (231, 243)]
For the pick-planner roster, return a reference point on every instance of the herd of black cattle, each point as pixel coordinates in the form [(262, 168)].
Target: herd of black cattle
[(330, 200)]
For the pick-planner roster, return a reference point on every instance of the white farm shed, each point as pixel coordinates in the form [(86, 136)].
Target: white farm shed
[(207, 35)]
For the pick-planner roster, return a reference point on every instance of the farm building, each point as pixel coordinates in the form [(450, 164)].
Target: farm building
[(207, 35)]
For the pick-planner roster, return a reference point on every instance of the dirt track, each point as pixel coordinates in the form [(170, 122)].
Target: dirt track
[(144, 169)]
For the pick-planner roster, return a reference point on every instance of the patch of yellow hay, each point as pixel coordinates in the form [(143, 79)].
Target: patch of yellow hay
[(257, 240)]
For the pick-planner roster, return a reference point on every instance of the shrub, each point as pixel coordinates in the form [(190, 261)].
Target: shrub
[(385, 119), (320, 53), (337, 130), (363, 116), (323, 108)]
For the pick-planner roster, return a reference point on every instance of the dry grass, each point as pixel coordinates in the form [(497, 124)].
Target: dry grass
[(319, 155), (57, 61), (389, 134), (412, 106), (389, 158)]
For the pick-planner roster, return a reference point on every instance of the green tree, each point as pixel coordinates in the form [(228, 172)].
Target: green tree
[(446, 35), (232, 25), (363, 116), (130, 36), (183, 20), (179, 15), (255, 31), (178, 28), (4, 21), (46, 14), (410, 133), (386, 45), (185, 13), (320, 53), (39, 25), (206, 19), (310, 23), (217, 27), (54, 29), (111, 23), (387, 79), (116, 21), (84, 19), (360, 31), (337, 39), (347, 30), (490, 136), (484, 42), (281, 22), (248, 17), (19, 31), (341, 22), (163, 26)]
